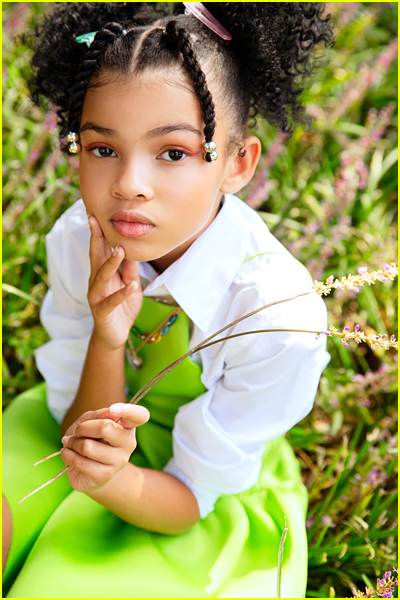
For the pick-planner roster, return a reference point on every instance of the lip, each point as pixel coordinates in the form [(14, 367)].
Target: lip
[(131, 224), (130, 217)]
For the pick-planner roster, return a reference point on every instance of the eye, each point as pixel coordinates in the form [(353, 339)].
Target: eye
[(173, 155), (102, 152)]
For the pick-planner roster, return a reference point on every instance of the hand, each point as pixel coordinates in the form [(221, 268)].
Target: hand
[(115, 298), (100, 443)]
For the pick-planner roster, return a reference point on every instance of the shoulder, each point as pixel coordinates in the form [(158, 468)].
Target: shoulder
[(71, 227), (268, 273)]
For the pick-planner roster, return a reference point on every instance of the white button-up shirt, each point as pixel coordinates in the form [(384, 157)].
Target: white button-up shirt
[(259, 385)]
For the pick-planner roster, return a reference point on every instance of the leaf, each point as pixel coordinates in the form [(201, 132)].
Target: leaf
[(10, 289)]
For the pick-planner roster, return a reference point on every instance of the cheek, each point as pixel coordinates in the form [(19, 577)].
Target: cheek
[(90, 187)]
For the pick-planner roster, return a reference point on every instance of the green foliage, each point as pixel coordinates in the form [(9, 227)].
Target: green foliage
[(329, 195)]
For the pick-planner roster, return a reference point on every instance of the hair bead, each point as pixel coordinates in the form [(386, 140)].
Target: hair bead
[(72, 137), (74, 148), (210, 146), (211, 156)]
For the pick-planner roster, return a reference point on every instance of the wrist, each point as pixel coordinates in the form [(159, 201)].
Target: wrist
[(99, 343), (102, 492)]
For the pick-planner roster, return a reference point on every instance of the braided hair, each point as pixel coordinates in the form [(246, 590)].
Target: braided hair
[(178, 37), (260, 71)]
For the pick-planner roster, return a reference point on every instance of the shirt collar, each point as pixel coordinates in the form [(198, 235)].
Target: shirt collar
[(199, 279)]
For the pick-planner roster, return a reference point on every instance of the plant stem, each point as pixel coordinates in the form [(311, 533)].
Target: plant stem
[(44, 485), (280, 555), (46, 458)]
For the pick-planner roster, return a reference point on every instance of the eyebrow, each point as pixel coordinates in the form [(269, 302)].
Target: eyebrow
[(153, 133), (166, 129), (102, 130)]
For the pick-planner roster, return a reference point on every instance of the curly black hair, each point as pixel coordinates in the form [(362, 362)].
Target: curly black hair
[(260, 71)]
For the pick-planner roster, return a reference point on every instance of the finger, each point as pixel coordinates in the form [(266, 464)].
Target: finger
[(130, 272), (94, 450), (112, 428), (106, 271), (108, 305), (96, 471), (130, 415), (105, 432), (100, 249), (134, 412)]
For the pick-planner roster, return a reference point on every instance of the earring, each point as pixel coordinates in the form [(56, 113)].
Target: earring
[(210, 150), (73, 147)]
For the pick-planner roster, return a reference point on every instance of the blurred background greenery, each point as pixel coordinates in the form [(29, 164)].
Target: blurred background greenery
[(329, 196)]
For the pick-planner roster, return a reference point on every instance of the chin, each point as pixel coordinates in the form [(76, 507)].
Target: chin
[(139, 255)]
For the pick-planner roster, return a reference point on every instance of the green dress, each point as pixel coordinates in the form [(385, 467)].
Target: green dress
[(65, 545)]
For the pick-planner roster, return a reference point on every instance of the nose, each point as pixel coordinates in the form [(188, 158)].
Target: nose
[(132, 181)]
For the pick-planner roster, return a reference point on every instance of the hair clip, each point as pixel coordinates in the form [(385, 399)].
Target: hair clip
[(86, 38), (198, 10)]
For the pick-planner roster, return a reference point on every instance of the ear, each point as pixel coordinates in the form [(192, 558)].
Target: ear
[(241, 168)]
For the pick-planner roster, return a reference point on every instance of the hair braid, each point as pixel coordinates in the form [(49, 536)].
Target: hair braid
[(181, 40), (104, 37)]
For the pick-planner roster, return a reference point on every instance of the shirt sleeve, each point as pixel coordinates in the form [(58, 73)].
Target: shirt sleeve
[(268, 384), (65, 313)]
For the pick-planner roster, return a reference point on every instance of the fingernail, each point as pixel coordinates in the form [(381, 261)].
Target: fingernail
[(132, 285), (65, 439), (116, 408), (90, 219), (116, 250)]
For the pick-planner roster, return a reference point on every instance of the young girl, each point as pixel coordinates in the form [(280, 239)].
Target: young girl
[(185, 494)]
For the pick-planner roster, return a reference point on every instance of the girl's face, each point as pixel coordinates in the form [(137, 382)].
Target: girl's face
[(142, 168)]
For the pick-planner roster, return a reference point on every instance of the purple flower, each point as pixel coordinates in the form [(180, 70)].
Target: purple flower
[(356, 327), (309, 522), (347, 328), (375, 476), (326, 521), (345, 344)]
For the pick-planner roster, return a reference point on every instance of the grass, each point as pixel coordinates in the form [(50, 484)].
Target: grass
[(330, 196)]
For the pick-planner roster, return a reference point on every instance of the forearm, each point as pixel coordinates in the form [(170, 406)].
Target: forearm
[(102, 381), (149, 499)]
